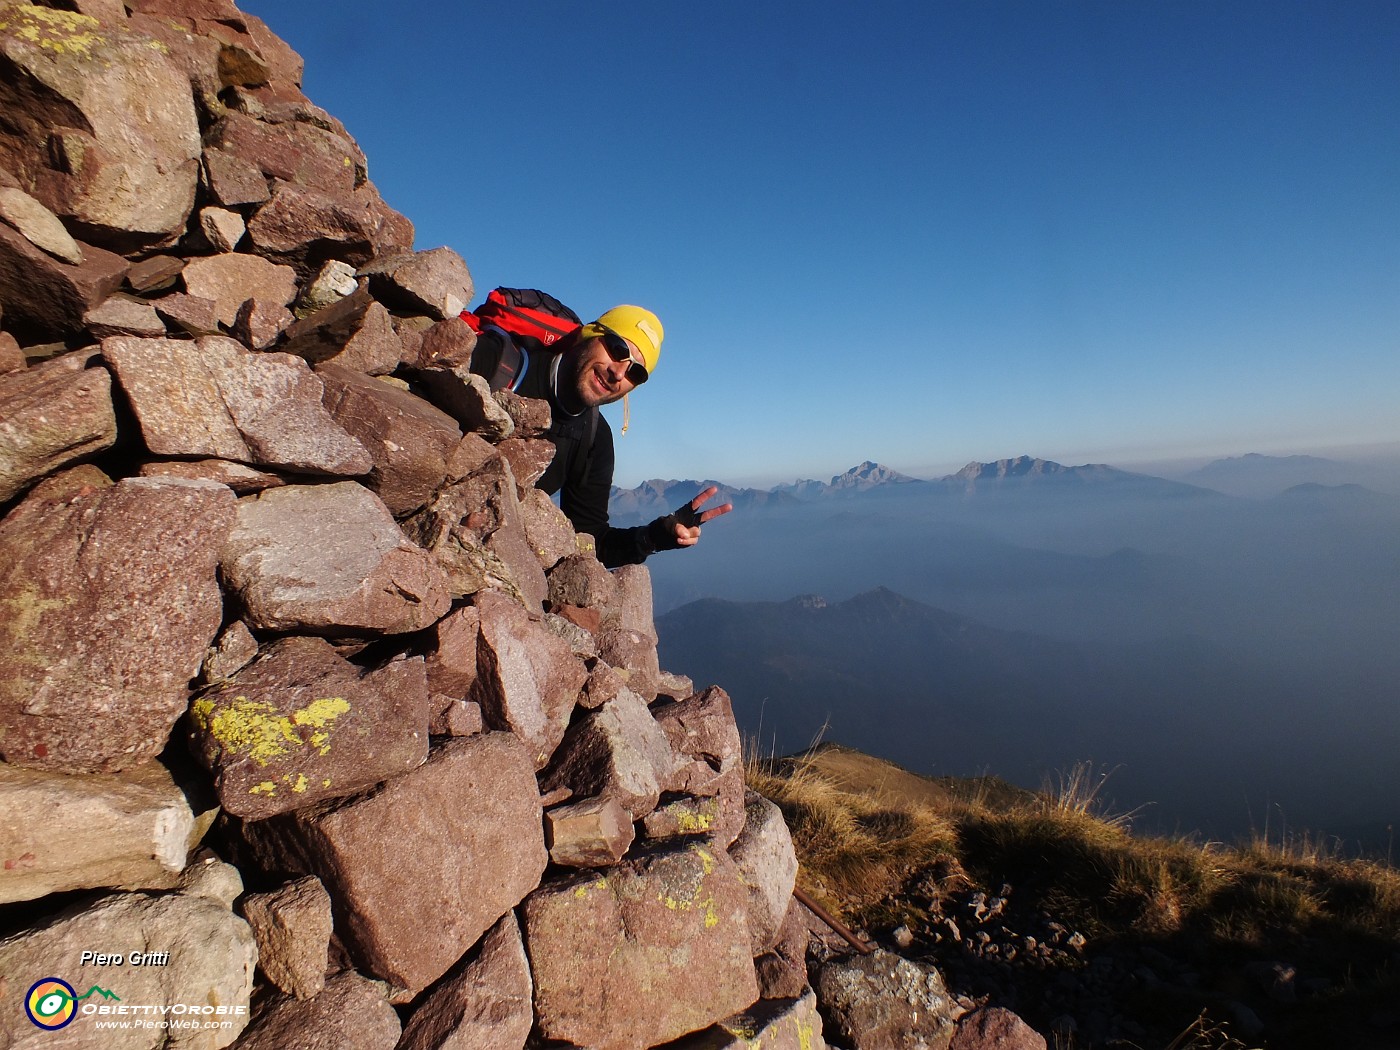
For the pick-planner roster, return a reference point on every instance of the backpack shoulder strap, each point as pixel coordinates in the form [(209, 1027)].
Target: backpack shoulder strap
[(584, 457)]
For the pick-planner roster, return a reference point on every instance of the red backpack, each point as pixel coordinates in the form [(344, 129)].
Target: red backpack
[(532, 318)]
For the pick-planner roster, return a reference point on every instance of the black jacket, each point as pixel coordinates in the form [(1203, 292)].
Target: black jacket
[(582, 471)]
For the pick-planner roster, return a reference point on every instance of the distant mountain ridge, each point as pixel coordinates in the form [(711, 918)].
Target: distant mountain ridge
[(655, 497)]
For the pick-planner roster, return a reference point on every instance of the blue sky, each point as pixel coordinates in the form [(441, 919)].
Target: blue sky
[(920, 233)]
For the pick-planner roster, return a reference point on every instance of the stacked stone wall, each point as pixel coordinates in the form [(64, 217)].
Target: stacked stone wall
[(305, 691)]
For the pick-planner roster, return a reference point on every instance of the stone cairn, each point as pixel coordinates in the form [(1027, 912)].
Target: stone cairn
[(316, 717)]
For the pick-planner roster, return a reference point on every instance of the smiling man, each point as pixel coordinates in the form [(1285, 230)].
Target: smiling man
[(593, 365)]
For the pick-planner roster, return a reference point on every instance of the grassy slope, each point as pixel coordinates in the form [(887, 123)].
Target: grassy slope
[(882, 846)]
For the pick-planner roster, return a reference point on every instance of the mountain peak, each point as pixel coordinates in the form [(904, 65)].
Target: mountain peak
[(868, 474)]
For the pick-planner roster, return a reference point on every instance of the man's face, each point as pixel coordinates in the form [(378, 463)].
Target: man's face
[(598, 379)]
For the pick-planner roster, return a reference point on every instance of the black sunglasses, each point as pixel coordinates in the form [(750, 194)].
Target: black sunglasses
[(619, 350)]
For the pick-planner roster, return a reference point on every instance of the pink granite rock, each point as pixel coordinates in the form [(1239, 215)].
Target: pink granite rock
[(351, 1013), (616, 954), (434, 282), (709, 759), (451, 662), (233, 278), (300, 724), (329, 559), (409, 440), (995, 1028), (244, 480), (447, 344), (527, 680), (773, 1024), (883, 1002), (422, 867), (47, 295), (113, 600), (51, 416), (593, 833), (213, 397), (354, 331), (617, 752), (484, 1004), (764, 855), (292, 926), (128, 176), (291, 152)]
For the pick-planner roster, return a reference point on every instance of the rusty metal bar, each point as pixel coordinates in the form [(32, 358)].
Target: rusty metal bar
[(832, 921)]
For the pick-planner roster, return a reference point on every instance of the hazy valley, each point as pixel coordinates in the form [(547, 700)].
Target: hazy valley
[(1232, 658)]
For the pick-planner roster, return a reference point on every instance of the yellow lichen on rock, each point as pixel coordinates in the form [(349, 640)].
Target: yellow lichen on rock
[(59, 32), (252, 728)]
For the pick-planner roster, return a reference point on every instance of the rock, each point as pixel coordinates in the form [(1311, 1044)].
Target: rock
[(617, 752), (334, 282), (329, 559), (483, 1005), (65, 832), (447, 344), (243, 479), (526, 678), (50, 297), (51, 417), (580, 580), (39, 226), (682, 816), (764, 855), (616, 954), (208, 876), (233, 278), (11, 356), (300, 724), (604, 684), (995, 1028), (232, 180), (128, 177), (434, 282), (709, 760), (124, 315), (212, 397), (547, 530), (580, 642), (223, 229), (111, 599), (773, 1024), (467, 398), (589, 834), (422, 867), (208, 965), (481, 511), (350, 1014), (529, 459), (354, 331), (291, 152), (299, 224), (189, 314), (531, 415), (409, 440), (260, 324), (292, 926), (451, 717), (675, 686), (636, 652), (634, 604), (782, 970), (883, 1001), (451, 663), (155, 274)]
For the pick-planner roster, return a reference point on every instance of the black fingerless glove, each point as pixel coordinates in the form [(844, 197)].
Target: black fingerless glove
[(662, 531)]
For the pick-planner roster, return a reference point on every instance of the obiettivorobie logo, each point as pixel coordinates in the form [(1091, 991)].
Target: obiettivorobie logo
[(51, 1003)]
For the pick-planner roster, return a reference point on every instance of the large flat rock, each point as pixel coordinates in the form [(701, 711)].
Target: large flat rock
[(421, 868), (108, 600), (214, 397), (51, 416), (329, 559), (300, 724), (640, 953)]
